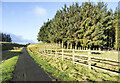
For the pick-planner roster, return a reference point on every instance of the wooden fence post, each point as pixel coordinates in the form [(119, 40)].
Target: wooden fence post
[(73, 55), (86, 48), (59, 43), (62, 51), (44, 48), (70, 46), (119, 67), (76, 47), (51, 48), (62, 54), (62, 44), (89, 59), (55, 49), (99, 50), (67, 45)]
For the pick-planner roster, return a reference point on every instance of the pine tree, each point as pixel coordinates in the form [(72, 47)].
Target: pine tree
[(89, 25)]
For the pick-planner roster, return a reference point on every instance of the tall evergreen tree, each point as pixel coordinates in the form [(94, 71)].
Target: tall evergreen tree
[(89, 25)]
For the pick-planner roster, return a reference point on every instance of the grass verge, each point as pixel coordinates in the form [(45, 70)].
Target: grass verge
[(10, 53), (42, 63), (9, 60), (8, 67)]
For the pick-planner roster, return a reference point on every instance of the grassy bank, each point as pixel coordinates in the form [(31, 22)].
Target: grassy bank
[(8, 67), (9, 60), (67, 71), (10, 53), (10, 46)]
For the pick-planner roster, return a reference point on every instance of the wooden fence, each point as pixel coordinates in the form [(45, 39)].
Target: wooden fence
[(84, 59)]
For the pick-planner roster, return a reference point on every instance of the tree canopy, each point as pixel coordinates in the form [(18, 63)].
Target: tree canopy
[(5, 37), (89, 25)]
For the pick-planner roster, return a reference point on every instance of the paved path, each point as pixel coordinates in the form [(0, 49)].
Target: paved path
[(27, 70)]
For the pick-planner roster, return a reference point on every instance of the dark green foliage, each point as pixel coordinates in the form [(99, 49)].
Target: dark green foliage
[(89, 25), (28, 44), (5, 37), (9, 46)]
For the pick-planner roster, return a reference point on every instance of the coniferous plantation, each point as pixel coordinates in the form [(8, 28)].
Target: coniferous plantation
[(88, 26)]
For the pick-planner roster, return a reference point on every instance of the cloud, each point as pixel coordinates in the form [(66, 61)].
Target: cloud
[(20, 39), (40, 11)]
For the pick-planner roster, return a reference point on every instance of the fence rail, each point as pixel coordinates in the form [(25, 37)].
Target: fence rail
[(109, 59), (84, 59), (86, 62)]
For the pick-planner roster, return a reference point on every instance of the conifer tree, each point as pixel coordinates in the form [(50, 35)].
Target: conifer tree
[(89, 25)]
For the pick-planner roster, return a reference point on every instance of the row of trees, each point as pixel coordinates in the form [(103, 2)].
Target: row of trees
[(89, 25), (5, 37)]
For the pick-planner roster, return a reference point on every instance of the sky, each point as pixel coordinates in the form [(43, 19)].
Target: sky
[(22, 20)]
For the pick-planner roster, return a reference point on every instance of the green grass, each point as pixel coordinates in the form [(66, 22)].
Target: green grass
[(67, 71), (9, 60), (10, 53), (8, 68)]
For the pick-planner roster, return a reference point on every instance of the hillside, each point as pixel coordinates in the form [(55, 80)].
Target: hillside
[(10, 46)]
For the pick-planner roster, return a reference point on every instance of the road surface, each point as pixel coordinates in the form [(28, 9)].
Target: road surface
[(27, 70)]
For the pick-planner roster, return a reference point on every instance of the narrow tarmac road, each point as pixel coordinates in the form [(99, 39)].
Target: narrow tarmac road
[(27, 70)]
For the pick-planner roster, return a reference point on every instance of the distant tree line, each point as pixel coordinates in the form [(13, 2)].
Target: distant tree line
[(87, 26), (5, 37)]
